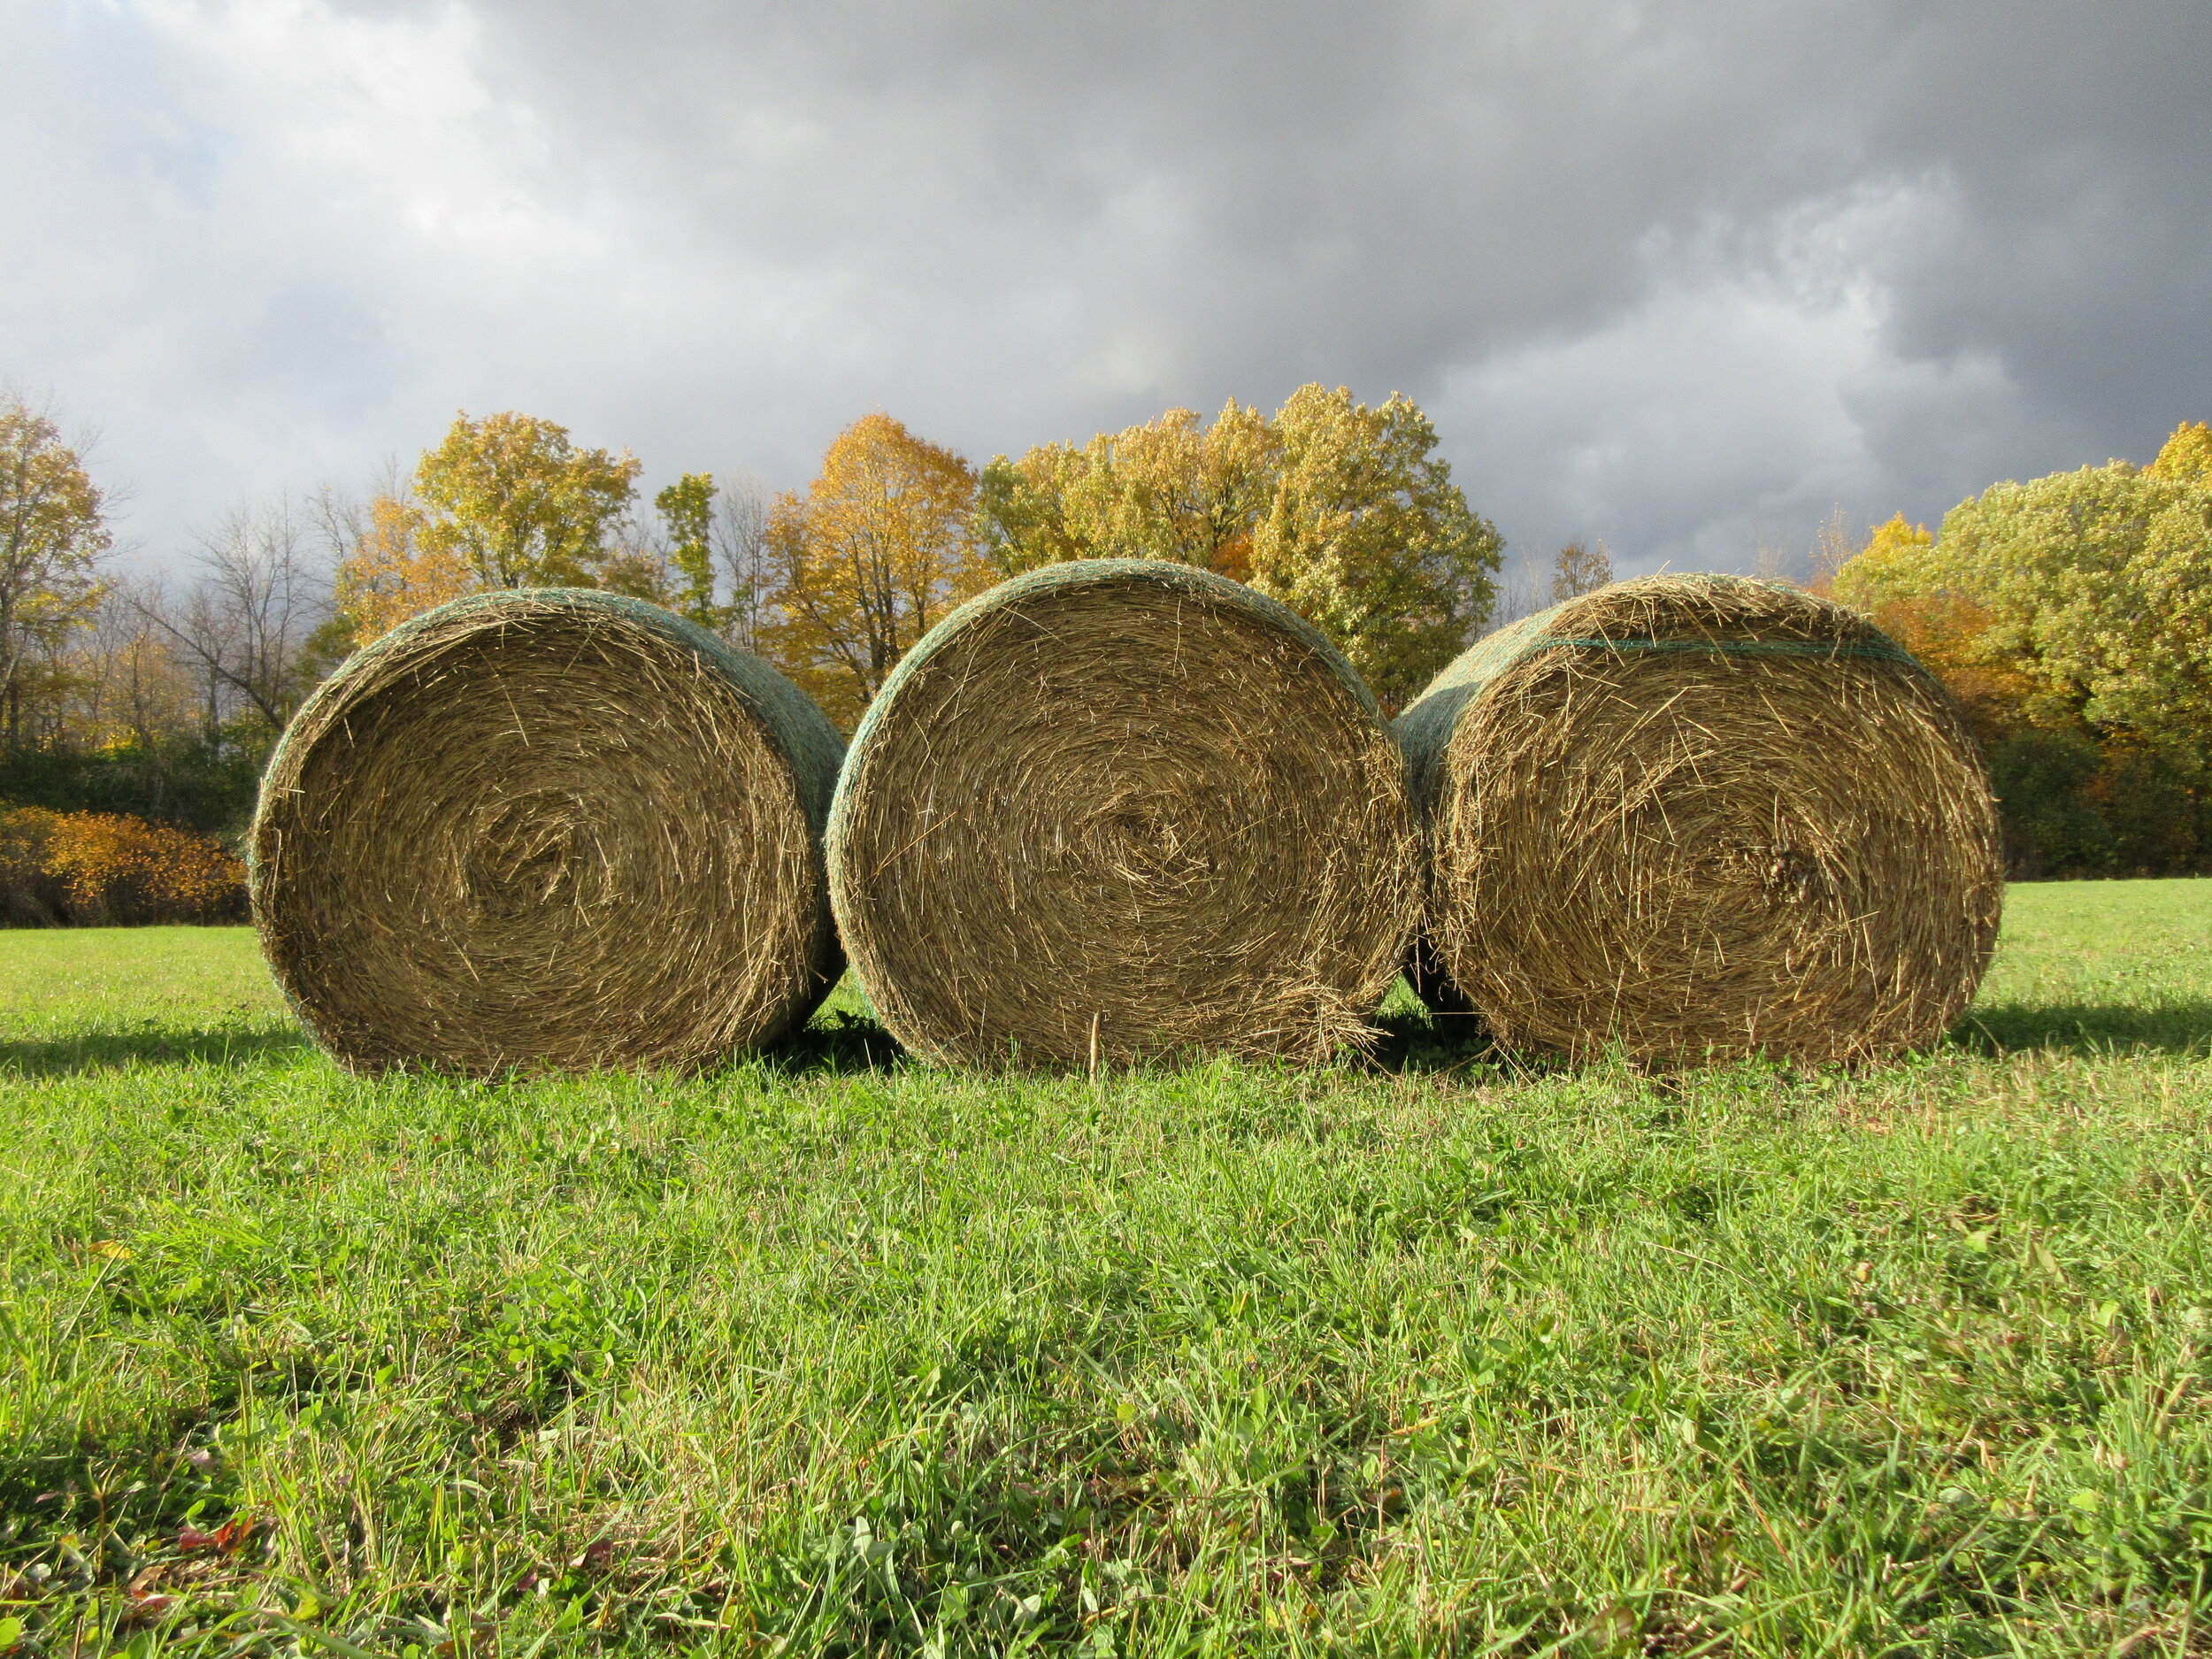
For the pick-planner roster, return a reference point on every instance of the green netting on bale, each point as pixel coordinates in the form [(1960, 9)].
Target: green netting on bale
[(1426, 727)]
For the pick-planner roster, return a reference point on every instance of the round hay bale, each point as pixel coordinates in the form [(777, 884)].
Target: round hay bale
[(548, 830), (1118, 810), (1703, 817)]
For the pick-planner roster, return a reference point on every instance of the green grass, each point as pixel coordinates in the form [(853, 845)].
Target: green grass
[(2102, 966), (834, 1354)]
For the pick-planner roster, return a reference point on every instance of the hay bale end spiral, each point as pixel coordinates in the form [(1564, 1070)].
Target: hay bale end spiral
[(548, 830), (1701, 818), (1120, 809)]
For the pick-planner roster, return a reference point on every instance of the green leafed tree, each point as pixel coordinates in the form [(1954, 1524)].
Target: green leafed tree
[(687, 510), (2095, 587), (1178, 489), (2072, 614), (1367, 536), (2186, 458)]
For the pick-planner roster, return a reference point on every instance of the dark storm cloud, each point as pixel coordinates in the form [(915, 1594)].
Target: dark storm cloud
[(1681, 276)]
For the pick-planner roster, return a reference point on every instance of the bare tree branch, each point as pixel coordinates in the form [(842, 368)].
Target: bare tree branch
[(264, 589)]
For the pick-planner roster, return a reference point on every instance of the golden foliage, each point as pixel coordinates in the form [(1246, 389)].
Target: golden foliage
[(29, 894), (1172, 488), (1340, 511), (505, 502), (1891, 564), (1894, 579), (881, 545), (2186, 457), (390, 576), (53, 534), (108, 867)]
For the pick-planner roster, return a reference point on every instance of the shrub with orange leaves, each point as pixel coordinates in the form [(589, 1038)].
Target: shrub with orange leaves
[(30, 896), (110, 869)]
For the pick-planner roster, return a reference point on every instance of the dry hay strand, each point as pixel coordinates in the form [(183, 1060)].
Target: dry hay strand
[(1703, 817), (1118, 809), (548, 830)]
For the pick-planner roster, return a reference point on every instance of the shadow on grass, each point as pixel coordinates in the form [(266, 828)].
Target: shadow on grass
[(835, 1041), (2088, 1028), (855, 1042), (1448, 1042), (149, 1045), (61, 1486), (1432, 1043), (1418, 1043), (841, 1044)]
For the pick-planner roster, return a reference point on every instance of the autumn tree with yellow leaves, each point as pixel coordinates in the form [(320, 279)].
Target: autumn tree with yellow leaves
[(859, 567), (505, 502), (53, 536), (1340, 510), (1172, 488), (2090, 591), (2072, 615)]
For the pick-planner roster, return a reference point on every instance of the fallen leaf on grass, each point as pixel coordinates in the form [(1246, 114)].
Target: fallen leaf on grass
[(145, 1607), (229, 1537)]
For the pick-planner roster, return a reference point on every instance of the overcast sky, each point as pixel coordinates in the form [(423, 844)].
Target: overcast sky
[(1679, 276)]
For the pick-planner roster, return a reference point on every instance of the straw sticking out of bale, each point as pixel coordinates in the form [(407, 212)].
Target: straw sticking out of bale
[(1701, 818), (1116, 809), (548, 830)]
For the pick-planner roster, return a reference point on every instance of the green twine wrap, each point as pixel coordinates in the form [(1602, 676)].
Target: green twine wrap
[(1884, 652)]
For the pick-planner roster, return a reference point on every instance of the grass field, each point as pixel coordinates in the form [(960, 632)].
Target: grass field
[(839, 1355)]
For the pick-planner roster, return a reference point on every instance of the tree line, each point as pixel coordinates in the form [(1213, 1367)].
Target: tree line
[(1340, 510), (163, 698), (2069, 614), (2072, 617)]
